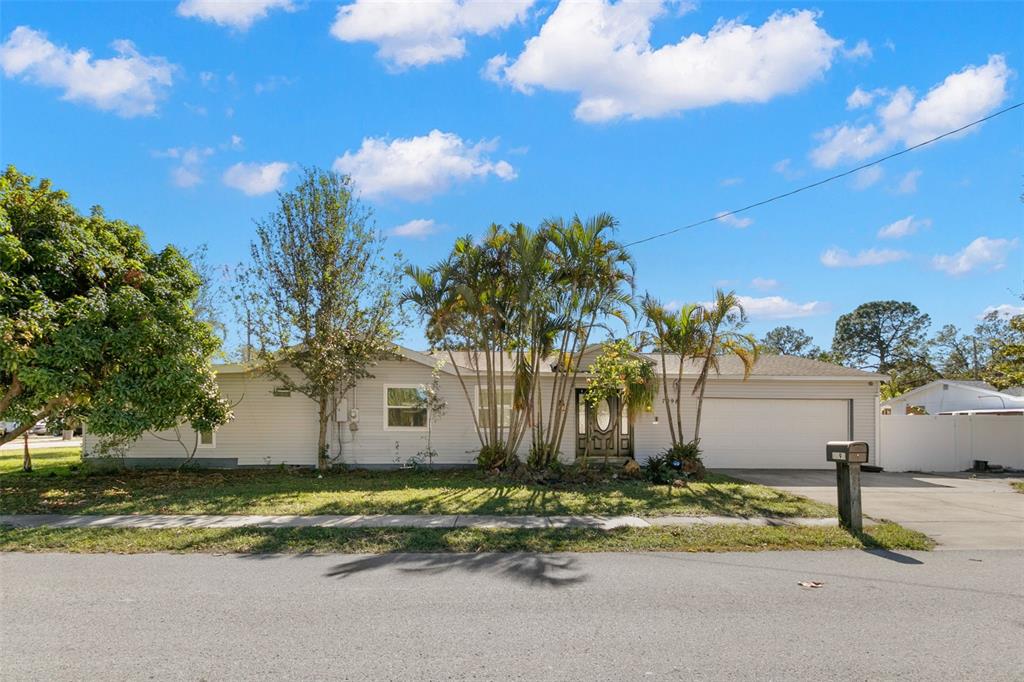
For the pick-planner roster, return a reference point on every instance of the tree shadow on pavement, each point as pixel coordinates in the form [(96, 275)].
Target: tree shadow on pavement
[(544, 570)]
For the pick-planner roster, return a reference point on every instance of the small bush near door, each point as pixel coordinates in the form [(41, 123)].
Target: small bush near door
[(681, 461)]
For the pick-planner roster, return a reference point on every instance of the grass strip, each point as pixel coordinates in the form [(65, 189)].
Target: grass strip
[(62, 484), (386, 540)]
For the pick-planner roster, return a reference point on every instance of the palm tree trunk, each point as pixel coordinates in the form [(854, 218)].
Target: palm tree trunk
[(664, 389), (679, 399), (703, 384)]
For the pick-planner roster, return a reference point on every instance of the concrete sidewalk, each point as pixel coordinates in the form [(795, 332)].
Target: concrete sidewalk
[(388, 521)]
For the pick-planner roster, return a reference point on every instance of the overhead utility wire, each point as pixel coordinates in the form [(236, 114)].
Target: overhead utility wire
[(826, 180)]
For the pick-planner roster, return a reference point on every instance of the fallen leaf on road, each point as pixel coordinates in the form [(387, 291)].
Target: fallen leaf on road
[(810, 583)]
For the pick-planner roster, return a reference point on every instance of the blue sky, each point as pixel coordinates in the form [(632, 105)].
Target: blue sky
[(454, 115)]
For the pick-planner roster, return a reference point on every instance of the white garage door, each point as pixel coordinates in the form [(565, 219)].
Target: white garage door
[(771, 434)]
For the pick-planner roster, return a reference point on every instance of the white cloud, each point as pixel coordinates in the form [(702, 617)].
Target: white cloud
[(418, 229), (188, 171), (858, 99), (734, 220), (236, 143), (256, 178), (729, 182), (239, 15), (863, 179), (764, 283), (862, 50), (983, 251), (416, 168), (779, 308), (420, 33), (962, 97), (130, 84), (841, 258), (908, 183), (785, 168), (1006, 310), (602, 51), (902, 228)]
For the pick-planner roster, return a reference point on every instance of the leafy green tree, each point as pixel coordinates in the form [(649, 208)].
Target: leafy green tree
[(208, 306), (790, 341), (320, 295), (957, 356), (720, 323), (1006, 366), (620, 372), (93, 325), (881, 335)]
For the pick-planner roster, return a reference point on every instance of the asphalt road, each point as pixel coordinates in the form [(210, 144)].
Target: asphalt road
[(943, 615)]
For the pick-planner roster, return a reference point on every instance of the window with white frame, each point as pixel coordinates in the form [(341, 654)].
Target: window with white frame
[(405, 407), (483, 404), (207, 439)]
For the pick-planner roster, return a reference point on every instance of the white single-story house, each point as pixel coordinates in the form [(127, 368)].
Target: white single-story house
[(946, 395), (780, 417)]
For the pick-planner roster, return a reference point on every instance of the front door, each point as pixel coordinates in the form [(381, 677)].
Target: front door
[(602, 430)]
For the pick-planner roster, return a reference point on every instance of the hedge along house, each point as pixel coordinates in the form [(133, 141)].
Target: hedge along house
[(780, 417)]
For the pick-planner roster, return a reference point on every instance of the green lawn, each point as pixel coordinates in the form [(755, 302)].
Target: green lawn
[(1018, 486), (383, 540), (61, 484)]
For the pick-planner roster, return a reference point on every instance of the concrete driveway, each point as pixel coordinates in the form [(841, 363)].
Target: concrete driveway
[(958, 511)]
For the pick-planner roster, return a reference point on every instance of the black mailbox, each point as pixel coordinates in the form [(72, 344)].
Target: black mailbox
[(849, 451)]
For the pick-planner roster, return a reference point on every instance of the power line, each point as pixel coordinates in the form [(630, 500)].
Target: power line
[(826, 180)]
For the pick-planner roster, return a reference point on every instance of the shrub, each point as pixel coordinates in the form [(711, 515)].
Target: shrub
[(658, 470), (682, 461), (491, 457)]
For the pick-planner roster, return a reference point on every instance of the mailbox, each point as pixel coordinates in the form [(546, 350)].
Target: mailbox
[(849, 451)]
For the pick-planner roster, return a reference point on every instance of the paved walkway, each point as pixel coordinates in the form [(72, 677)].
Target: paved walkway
[(388, 521), (957, 510)]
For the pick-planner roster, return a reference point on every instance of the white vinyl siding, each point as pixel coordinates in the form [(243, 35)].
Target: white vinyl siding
[(269, 430), (405, 408)]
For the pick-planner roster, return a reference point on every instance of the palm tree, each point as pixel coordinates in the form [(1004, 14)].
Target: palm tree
[(517, 297), (718, 340), (593, 278), (679, 333)]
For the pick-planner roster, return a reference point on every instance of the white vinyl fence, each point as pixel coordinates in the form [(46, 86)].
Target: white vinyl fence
[(949, 442)]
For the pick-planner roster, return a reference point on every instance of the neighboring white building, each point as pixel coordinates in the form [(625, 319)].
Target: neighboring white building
[(781, 417), (947, 395)]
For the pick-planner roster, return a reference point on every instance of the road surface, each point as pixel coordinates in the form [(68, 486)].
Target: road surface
[(941, 615)]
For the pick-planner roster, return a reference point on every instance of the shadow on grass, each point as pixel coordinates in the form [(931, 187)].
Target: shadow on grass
[(291, 491), (543, 570)]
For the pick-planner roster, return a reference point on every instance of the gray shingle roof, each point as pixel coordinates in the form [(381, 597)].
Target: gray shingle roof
[(767, 365)]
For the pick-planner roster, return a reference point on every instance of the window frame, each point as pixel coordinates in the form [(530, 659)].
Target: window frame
[(212, 445), (511, 407), (387, 409)]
